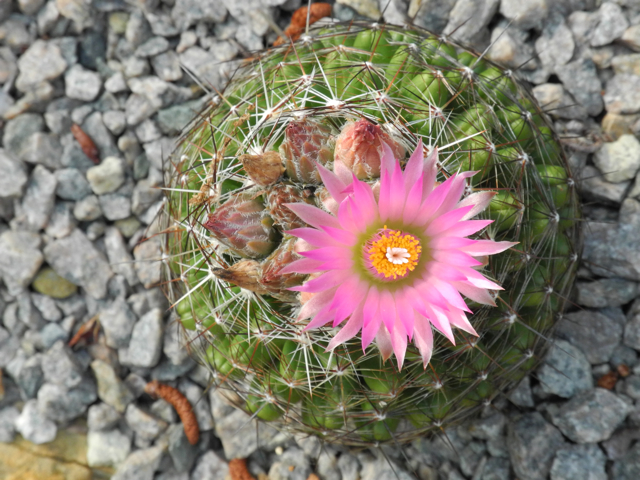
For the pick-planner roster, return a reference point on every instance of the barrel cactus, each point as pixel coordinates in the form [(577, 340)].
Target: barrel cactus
[(372, 232)]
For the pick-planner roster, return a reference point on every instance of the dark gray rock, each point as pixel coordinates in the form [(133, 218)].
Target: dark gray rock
[(62, 405), (591, 416), (33, 426), (565, 371), (622, 94), (627, 468), (608, 292), (579, 462), (481, 13), (595, 333), (496, 469), (431, 14), (92, 49), (632, 386), (52, 333), (76, 259), (72, 184), (580, 78), (95, 128), (181, 451), (20, 260), (632, 332), (532, 444)]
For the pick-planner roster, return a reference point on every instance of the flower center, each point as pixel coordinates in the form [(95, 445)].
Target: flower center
[(392, 253)]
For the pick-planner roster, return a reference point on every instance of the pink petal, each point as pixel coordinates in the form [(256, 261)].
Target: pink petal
[(316, 303), (304, 265), (323, 317), (445, 221), (325, 281), (487, 247), (405, 311), (432, 202), (430, 172), (444, 272), (458, 319), (342, 172), (371, 306), (455, 257), (364, 199), (451, 295), (326, 254), (477, 279), (347, 299), (340, 236), (455, 192), (465, 228), (399, 342), (414, 198), (480, 201), (346, 217), (423, 338), (313, 236), (479, 295), (350, 330), (413, 169), (313, 215), (387, 309), (441, 322), (388, 159), (383, 340), (398, 195), (332, 182), (370, 331), (449, 243)]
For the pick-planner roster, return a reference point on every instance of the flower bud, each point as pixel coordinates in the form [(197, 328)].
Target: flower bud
[(242, 224), (306, 142), (264, 169), (281, 194), (359, 147), (245, 274), (275, 282)]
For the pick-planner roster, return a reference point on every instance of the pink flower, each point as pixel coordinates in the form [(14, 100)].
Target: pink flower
[(394, 267)]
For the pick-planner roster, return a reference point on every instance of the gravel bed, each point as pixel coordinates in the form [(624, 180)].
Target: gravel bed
[(70, 233)]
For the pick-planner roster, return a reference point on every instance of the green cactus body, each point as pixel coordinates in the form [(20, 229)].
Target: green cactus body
[(229, 231)]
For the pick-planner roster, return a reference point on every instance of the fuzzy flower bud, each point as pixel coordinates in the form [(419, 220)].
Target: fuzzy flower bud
[(245, 274), (281, 194), (242, 223), (359, 147), (264, 169), (275, 282), (306, 142)]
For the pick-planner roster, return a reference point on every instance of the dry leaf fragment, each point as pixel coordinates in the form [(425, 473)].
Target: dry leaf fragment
[(86, 143), (299, 21), (87, 333), (623, 370), (181, 405), (238, 470), (608, 380)]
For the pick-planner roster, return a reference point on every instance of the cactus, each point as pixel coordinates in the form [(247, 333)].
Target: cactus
[(333, 101)]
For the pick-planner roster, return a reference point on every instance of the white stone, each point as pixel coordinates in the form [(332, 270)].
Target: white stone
[(105, 449), (620, 160), (82, 84), (106, 177)]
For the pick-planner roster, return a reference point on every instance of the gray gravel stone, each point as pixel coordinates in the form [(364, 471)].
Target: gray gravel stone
[(82, 84), (565, 371), (291, 465), (102, 417), (579, 462), (117, 320), (203, 65), (8, 417), (14, 176), (145, 346), (76, 259), (139, 465), (62, 221), (148, 265), (608, 292), (87, 209), (555, 45), (42, 61), (116, 83), (95, 128), (111, 389), (115, 206), (186, 13), (610, 251), (72, 184), (39, 198), (532, 445), (106, 177), (107, 448), (115, 121), (612, 23), (139, 108), (525, 14), (63, 405), (153, 46), (596, 334), (146, 426), (18, 130), (42, 148), (591, 416), (60, 366), (51, 333), (632, 332), (167, 66), (373, 469), (20, 260), (119, 257), (33, 426), (210, 467), (580, 78), (181, 451), (622, 94), (200, 403), (620, 160)]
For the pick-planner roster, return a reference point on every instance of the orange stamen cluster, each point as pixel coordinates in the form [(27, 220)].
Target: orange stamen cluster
[(393, 239)]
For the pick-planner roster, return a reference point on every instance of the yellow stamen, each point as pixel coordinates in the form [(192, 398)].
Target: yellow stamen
[(393, 254)]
